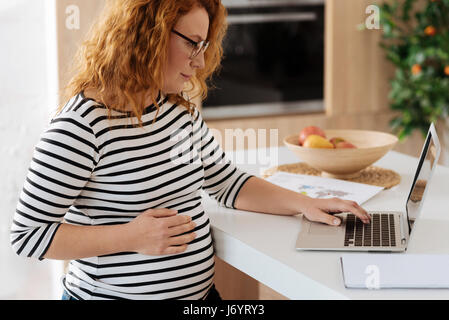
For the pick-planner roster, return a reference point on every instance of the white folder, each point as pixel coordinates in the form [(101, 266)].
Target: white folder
[(395, 270)]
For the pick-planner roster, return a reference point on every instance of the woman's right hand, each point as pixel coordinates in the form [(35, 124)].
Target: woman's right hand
[(160, 232)]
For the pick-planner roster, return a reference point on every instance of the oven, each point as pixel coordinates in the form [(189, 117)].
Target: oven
[(273, 60)]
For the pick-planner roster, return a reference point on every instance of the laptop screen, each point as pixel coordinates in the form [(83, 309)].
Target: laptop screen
[(426, 165)]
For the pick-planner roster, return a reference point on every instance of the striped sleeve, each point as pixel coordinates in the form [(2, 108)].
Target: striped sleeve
[(222, 179), (62, 162)]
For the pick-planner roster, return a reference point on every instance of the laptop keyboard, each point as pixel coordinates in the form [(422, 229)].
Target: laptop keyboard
[(379, 233)]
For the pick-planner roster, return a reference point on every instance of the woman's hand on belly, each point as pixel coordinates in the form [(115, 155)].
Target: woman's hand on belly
[(160, 232)]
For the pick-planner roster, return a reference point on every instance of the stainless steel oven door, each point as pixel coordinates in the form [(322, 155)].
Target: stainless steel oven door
[(274, 60)]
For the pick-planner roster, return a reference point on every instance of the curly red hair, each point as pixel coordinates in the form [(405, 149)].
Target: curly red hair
[(124, 55)]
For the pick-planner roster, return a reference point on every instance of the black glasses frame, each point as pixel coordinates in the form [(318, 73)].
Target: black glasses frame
[(198, 45)]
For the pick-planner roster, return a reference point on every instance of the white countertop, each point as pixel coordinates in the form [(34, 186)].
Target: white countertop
[(263, 245)]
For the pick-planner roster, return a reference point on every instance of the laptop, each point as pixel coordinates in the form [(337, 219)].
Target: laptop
[(388, 231)]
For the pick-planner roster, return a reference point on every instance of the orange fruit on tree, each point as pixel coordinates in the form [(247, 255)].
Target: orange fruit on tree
[(416, 69), (446, 70), (430, 31)]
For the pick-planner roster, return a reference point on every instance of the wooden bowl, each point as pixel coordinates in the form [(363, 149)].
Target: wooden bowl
[(344, 163)]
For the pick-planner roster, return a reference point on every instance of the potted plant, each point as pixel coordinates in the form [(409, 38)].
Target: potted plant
[(416, 40)]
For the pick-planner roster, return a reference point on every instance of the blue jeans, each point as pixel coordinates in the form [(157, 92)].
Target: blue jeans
[(212, 296), (67, 296)]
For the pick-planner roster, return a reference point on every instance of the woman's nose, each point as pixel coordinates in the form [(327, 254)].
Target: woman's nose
[(198, 61)]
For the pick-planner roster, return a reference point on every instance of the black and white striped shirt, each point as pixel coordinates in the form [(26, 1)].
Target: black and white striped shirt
[(88, 170)]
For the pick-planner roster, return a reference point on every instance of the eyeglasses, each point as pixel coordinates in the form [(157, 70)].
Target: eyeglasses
[(198, 47)]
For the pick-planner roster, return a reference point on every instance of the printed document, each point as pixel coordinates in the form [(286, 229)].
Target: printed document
[(324, 188)]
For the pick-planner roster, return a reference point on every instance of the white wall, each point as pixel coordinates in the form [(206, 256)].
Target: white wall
[(26, 79)]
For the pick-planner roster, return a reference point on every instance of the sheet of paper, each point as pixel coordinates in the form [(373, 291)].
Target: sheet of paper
[(395, 270), (323, 188)]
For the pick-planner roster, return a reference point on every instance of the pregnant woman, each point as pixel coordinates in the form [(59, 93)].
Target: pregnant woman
[(115, 182)]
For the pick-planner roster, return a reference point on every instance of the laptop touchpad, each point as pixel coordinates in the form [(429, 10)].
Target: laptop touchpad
[(321, 229)]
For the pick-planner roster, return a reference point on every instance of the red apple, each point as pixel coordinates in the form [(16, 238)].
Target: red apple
[(307, 131), (345, 144), (336, 140)]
